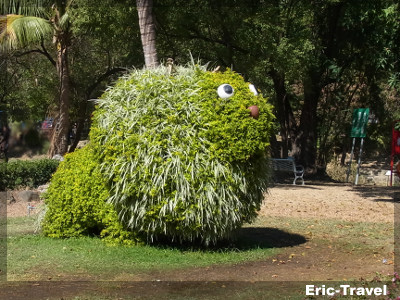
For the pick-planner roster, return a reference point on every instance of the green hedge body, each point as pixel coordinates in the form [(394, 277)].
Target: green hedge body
[(178, 161), (29, 173), (76, 202)]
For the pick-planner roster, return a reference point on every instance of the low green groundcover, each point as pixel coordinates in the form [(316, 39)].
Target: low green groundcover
[(170, 156)]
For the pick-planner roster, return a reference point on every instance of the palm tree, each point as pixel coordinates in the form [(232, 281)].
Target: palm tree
[(32, 23), (147, 32)]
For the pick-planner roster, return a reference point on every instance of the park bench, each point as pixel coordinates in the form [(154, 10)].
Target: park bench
[(288, 165)]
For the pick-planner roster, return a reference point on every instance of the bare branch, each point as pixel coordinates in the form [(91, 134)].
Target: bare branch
[(102, 77), (46, 53), (42, 51)]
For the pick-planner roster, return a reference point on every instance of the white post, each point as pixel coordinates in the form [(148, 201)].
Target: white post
[(351, 158), (359, 161)]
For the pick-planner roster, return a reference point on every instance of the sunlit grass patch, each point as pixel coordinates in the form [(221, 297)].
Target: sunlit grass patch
[(35, 257)]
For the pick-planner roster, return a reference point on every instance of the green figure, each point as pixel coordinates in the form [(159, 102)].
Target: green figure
[(181, 156)]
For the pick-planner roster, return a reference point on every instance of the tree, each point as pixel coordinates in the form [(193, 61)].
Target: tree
[(316, 60), (105, 42), (269, 42), (20, 31), (147, 32), (26, 90), (103, 45)]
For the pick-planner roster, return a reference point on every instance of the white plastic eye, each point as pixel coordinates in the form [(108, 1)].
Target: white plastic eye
[(225, 91), (253, 89)]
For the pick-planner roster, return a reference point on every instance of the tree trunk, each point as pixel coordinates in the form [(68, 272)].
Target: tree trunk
[(59, 141), (288, 126), (307, 137), (79, 126), (147, 32), (84, 104), (326, 22)]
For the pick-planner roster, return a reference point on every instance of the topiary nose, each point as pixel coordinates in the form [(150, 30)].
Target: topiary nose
[(254, 111)]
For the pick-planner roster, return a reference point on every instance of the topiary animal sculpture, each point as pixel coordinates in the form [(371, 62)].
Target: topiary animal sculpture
[(183, 155)]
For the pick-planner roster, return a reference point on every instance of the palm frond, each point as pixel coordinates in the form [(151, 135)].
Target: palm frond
[(64, 21), (37, 8), (17, 31)]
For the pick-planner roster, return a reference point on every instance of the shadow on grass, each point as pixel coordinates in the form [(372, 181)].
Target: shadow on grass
[(247, 238), (266, 237), (379, 193)]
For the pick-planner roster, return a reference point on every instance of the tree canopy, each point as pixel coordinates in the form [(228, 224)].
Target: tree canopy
[(315, 60)]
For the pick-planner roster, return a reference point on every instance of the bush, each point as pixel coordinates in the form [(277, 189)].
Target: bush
[(180, 161), (29, 173), (76, 202)]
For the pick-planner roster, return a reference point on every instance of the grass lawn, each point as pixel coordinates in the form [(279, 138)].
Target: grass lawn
[(34, 257), (87, 269)]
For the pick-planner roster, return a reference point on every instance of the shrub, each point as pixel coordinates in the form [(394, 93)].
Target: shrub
[(76, 202), (29, 173), (180, 161), (338, 173)]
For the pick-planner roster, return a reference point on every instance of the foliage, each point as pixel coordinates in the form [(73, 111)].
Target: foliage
[(32, 138), (344, 54), (43, 21), (30, 173), (105, 39), (338, 173), (181, 161), (17, 26), (316, 61), (26, 92), (76, 202)]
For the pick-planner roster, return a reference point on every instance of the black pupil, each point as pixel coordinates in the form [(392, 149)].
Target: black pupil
[(228, 89)]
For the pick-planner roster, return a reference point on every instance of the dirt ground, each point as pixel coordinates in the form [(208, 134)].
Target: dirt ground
[(333, 201), (22, 208), (344, 202), (309, 260)]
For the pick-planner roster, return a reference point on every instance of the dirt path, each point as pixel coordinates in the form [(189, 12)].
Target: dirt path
[(343, 202)]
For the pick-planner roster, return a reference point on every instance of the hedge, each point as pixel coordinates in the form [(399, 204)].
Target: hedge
[(26, 173), (76, 202)]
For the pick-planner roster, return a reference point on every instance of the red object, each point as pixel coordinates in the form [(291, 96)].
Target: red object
[(395, 142), (395, 151), (254, 111)]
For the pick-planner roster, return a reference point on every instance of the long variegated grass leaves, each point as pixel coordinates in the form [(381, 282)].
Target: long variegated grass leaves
[(162, 177)]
